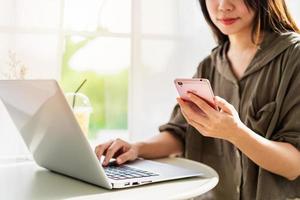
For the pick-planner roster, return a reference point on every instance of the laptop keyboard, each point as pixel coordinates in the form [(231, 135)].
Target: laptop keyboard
[(124, 172)]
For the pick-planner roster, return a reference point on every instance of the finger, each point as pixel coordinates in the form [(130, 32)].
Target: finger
[(190, 114), (182, 106), (224, 105), (185, 116), (202, 104), (127, 156), (185, 108), (116, 145), (200, 127), (99, 150)]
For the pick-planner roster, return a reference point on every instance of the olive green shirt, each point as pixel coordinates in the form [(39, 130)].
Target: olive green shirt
[(267, 98)]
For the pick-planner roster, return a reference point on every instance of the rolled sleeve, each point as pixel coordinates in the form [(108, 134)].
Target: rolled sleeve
[(289, 119), (289, 128), (177, 124), (290, 137)]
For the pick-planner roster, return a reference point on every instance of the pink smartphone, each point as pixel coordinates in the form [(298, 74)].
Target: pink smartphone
[(198, 86)]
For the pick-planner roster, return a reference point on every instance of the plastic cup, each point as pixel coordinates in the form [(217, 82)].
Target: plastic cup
[(82, 109)]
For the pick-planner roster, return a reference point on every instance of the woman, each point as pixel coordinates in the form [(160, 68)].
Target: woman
[(254, 141)]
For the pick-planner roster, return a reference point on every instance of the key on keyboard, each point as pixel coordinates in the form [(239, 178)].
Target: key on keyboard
[(123, 172)]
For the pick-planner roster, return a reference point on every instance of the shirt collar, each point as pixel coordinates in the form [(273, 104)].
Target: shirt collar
[(272, 45)]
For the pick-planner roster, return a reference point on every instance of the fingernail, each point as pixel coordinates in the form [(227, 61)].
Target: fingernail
[(119, 160)]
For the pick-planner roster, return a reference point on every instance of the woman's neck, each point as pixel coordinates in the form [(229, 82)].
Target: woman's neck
[(241, 42), (241, 52)]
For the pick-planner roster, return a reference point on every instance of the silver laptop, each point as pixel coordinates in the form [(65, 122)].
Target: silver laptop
[(46, 122)]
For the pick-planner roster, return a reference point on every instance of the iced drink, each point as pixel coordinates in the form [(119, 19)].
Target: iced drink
[(81, 108), (82, 115)]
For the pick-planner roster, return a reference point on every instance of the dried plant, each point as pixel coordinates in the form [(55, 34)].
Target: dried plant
[(16, 69)]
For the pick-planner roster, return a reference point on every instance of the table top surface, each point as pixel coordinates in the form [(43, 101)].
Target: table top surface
[(23, 179)]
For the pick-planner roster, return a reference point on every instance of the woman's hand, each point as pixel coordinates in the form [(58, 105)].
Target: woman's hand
[(208, 121), (119, 149)]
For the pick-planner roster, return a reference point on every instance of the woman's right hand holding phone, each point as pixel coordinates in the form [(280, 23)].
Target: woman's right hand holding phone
[(119, 149)]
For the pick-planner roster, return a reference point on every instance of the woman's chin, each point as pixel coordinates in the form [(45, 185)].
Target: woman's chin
[(227, 31), (233, 30)]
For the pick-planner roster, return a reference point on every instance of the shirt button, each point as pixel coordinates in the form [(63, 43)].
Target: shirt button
[(237, 153), (238, 189)]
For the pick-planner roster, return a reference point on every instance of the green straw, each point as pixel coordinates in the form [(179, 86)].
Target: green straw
[(74, 97)]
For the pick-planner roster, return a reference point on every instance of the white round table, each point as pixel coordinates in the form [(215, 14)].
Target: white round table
[(25, 180)]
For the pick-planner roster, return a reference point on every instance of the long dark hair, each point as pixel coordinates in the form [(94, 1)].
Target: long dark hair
[(270, 15)]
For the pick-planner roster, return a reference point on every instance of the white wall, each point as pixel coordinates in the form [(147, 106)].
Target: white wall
[(294, 7)]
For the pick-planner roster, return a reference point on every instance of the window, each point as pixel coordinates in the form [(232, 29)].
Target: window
[(97, 47), (129, 50)]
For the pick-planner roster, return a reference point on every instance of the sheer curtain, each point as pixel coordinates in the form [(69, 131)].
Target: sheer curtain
[(170, 38), (30, 40)]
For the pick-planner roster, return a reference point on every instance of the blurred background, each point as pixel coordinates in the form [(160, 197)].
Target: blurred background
[(130, 51)]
